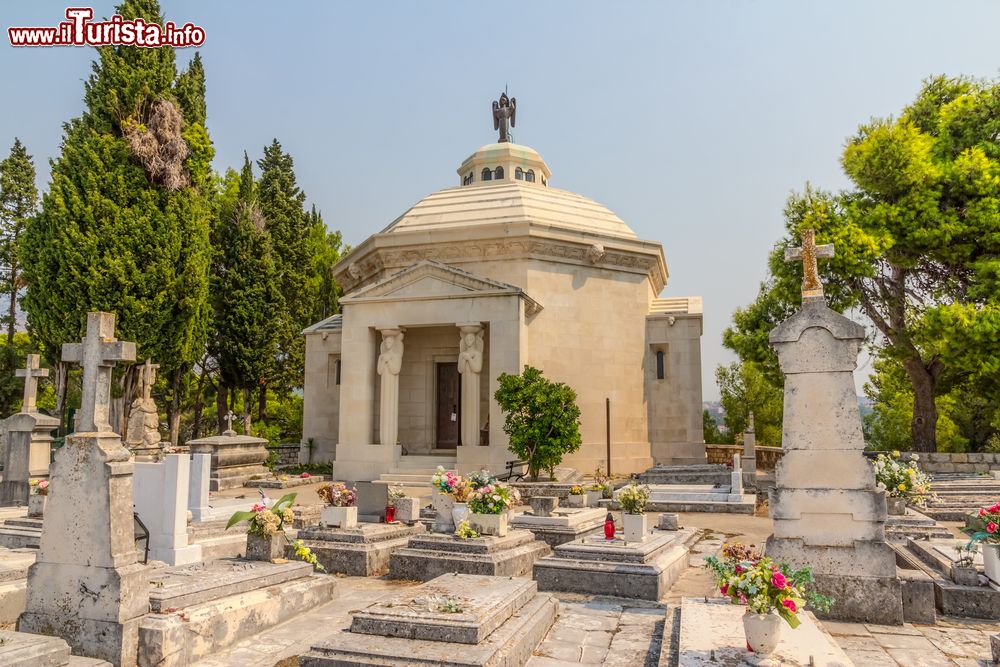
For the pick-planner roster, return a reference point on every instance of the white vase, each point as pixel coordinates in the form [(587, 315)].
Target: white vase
[(339, 517), (991, 564), (634, 527), (443, 504), (895, 506), (593, 497), (763, 632), (576, 501), (459, 513), (489, 524)]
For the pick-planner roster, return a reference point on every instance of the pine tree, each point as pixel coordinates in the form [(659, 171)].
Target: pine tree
[(245, 294), (125, 224)]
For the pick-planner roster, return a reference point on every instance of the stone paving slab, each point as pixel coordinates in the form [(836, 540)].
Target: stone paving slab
[(484, 604), (186, 585), (21, 649)]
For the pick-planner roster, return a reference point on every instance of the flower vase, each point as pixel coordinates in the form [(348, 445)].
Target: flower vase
[(443, 503), (763, 632), (459, 513), (265, 548), (576, 501), (991, 564), (896, 506), (339, 517), (489, 524), (634, 527), (594, 497), (407, 510), (36, 505)]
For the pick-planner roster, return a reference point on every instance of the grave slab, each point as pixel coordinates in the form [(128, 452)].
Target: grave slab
[(518, 615), (711, 633), (432, 555), (362, 551), (563, 525), (187, 585), (594, 565), (21, 649)]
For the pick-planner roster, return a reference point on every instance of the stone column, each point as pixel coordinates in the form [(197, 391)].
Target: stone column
[(827, 512), (470, 365), (750, 454), (201, 472), (390, 362)]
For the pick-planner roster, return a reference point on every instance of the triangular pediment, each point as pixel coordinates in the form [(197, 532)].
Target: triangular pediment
[(430, 278)]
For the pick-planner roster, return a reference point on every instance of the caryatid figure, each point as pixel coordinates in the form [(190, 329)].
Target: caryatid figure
[(390, 362), (470, 365)]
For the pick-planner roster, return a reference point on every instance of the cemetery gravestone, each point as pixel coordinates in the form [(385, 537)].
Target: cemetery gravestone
[(28, 438)]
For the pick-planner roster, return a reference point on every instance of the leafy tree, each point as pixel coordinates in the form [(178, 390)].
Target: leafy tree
[(713, 435), (244, 289), (542, 419), (125, 224), (917, 236), (325, 249), (744, 388)]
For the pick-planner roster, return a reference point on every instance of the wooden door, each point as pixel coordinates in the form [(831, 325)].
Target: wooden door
[(449, 410)]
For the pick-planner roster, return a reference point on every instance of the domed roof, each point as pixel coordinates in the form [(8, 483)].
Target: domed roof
[(509, 201)]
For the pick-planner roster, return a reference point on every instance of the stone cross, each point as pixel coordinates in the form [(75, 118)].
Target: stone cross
[(97, 354), (812, 287), (31, 374), (148, 377), (229, 418)]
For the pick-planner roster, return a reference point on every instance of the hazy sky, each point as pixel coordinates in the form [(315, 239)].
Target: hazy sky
[(692, 121)]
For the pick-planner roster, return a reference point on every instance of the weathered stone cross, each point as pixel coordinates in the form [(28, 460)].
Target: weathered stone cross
[(31, 375), (148, 377), (812, 287), (229, 418), (97, 354)]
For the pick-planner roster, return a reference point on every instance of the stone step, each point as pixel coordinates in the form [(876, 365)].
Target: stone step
[(664, 497), (417, 478), (25, 522), (746, 507), (223, 546), (15, 537)]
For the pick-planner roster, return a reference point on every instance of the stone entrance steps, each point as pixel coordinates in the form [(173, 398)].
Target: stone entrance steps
[(20, 533), (693, 474)]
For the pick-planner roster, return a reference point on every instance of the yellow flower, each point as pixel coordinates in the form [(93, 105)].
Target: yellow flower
[(895, 453), (912, 472), (902, 487)]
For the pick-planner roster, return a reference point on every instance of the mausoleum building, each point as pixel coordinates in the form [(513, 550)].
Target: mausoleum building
[(480, 279)]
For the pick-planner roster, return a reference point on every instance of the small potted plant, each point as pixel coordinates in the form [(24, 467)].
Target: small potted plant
[(983, 528), (444, 483), (340, 510), (963, 571), (461, 493), (577, 497), (633, 499), (595, 491), (904, 483), (771, 592), (488, 507), (266, 532), (37, 497)]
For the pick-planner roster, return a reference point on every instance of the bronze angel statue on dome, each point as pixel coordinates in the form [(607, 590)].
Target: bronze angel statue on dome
[(504, 111)]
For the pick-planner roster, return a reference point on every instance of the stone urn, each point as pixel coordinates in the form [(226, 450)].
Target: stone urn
[(896, 506), (991, 564), (339, 517), (459, 513), (407, 510), (634, 527), (443, 504), (36, 505), (489, 524), (965, 575), (763, 632), (576, 500), (265, 548), (593, 497)]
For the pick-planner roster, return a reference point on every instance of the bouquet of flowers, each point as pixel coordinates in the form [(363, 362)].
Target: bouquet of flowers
[(39, 487), (493, 499), (338, 495), (902, 480), (633, 498), (477, 480), (577, 490), (265, 520), (464, 531), (984, 525), (746, 577), (395, 493), (445, 481), (306, 555)]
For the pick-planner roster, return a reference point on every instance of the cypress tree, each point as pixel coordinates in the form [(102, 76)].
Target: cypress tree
[(125, 224)]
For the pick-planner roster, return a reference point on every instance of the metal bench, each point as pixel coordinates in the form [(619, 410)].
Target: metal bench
[(515, 471)]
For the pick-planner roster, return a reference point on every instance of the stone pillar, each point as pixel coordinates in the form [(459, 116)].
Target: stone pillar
[(470, 365), (750, 454), (27, 455), (87, 584), (827, 512), (390, 362), (736, 480), (161, 502), (201, 472)]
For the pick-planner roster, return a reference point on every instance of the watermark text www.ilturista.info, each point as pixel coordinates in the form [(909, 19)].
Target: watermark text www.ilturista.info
[(80, 30)]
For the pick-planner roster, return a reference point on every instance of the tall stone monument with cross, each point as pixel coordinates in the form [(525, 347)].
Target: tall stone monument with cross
[(88, 585), (827, 512), (29, 440)]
